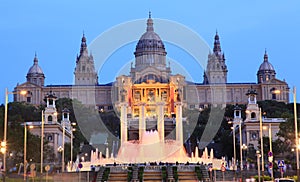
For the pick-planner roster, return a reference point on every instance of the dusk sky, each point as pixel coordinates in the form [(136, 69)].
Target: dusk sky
[(53, 30)]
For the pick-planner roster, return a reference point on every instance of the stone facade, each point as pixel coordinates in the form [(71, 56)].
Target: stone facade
[(151, 77)]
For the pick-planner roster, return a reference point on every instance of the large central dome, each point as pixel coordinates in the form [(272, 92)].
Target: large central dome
[(150, 50), (150, 42)]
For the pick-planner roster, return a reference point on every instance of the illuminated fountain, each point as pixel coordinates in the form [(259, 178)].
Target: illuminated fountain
[(151, 146)]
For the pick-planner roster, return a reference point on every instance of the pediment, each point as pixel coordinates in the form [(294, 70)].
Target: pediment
[(28, 85), (275, 81)]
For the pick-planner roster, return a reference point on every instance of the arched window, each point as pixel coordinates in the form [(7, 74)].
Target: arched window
[(50, 138), (273, 93), (50, 119), (253, 115)]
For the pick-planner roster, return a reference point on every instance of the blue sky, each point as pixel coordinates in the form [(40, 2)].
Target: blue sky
[(53, 30)]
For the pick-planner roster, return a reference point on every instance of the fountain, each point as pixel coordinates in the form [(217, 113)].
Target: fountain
[(151, 145)]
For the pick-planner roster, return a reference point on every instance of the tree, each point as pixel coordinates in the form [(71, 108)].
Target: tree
[(286, 135)]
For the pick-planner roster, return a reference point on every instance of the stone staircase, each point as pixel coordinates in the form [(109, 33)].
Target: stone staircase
[(152, 176), (117, 176), (205, 173), (100, 174), (187, 176), (155, 174)]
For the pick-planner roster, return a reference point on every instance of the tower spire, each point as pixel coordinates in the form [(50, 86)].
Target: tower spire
[(266, 59), (35, 60), (217, 46), (150, 23), (83, 43)]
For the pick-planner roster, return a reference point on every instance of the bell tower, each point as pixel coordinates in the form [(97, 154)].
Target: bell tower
[(85, 73), (216, 69), (50, 110), (252, 111), (65, 120)]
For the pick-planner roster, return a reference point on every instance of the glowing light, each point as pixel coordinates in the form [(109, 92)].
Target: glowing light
[(23, 92)]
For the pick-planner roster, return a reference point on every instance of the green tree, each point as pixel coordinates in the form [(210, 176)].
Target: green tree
[(286, 135)]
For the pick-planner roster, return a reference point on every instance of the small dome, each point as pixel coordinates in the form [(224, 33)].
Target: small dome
[(35, 68), (266, 65)]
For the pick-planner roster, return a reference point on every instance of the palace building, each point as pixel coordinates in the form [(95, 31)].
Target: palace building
[(150, 80)]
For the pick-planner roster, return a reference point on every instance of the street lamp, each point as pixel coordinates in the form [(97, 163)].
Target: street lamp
[(296, 128), (270, 154), (42, 141), (65, 118), (60, 149), (244, 148), (258, 164), (23, 92), (296, 131), (234, 151), (241, 149), (25, 149), (72, 129), (261, 143)]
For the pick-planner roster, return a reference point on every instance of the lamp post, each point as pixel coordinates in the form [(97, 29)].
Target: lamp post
[(60, 149), (270, 153), (63, 151), (261, 143), (271, 150), (72, 129), (42, 141), (258, 164), (5, 126), (296, 132), (241, 149), (25, 150), (244, 148), (65, 120), (296, 129), (234, 150)]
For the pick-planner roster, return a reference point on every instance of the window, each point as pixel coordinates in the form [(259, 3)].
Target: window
[(273, 93), (237, 113), (49, 138), (110, 108), (253, 115), (50, 119), (253, 135), (28, 99)]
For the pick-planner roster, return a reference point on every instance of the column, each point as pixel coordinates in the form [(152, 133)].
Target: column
[(160, 120), (123, 123), (55, 143), (142, 121), (179, 133)]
